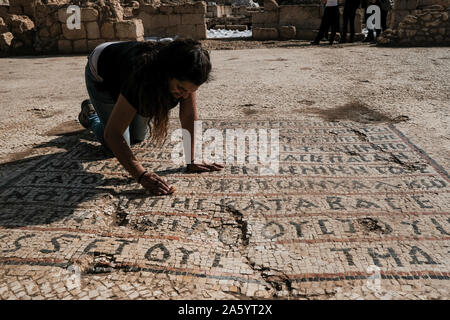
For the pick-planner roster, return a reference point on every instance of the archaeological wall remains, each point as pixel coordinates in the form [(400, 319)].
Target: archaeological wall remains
[(291, 21), (418, 23), (33, 27)]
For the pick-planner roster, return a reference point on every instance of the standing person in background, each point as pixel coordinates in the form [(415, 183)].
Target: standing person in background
[(349, 17), (330, 18)]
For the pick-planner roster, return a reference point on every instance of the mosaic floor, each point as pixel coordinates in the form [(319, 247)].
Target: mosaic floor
[(354, 212)]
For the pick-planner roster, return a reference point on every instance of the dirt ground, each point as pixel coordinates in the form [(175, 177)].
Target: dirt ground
[(354, 90)]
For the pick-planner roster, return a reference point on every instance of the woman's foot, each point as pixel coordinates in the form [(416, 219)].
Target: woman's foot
[(87, 109)]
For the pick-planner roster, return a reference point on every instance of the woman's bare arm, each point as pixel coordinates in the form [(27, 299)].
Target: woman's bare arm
[(188, 114), (121, 117)]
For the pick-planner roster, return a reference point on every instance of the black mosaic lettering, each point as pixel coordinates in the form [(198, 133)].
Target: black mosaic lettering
[(186, 254), (415, 259), (347, 254), (55, 242), (323, 228), (92, 245), (391, 254), (439, 227), (351, 226), (298, 227), (414, 225), (17, 244), (335, 203), (162, 248), (422, 202), (123, 243)]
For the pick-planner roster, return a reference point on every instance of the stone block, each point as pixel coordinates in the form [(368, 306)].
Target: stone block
[(6, 39), (397, 17), (270, 17), (3, 26), (287, 32), (405, 4), (200, 32), (80, 46), (174, 19), (129, 29), (303, 34), (191, 18), (93, 31), (170, 31), (44, 33), (304, 17), (107, 31), (128, 13), (19, 2), (64, 46), (62, 15), (187, 30), (166, 9), (270, 5), (153, 21), (55, 30), (150, 9), (15, 10), (20, 24), (92, 44), (200, 7), (239, 27), (265, 33), (4, 11), (28, 10), (89, 14), (73, 34)]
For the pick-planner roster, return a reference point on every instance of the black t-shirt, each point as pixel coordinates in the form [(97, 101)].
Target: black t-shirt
[(115, 67)]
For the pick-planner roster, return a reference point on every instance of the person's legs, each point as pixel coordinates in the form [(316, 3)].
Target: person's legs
[(345, 22), (334, 21), (351, 17), (324, 25), (103, 104)]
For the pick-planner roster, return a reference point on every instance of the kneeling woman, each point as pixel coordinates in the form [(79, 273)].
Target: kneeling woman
[(132, 86)]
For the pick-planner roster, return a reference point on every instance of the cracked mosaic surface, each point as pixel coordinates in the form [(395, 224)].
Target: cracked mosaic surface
[(350, 204)]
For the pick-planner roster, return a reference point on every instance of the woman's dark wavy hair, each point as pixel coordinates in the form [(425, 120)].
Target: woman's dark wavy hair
[(158, 62)]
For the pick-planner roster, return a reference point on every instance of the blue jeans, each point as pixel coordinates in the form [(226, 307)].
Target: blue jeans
[(103, 104)]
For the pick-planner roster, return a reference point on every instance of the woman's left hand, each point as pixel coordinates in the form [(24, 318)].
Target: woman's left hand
[(204, 167)]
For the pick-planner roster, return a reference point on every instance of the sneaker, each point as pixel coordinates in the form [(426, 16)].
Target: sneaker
[(87, 109)]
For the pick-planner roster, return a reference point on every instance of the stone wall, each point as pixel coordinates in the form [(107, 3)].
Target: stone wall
[(34, 27), (187, 20), (291, 21), (218, 11), (235, 18), (418, 23)]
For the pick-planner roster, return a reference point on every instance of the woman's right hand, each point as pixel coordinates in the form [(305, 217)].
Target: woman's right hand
[(155, 184)]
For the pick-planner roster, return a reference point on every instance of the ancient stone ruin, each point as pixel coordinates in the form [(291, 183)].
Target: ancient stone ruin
[(46, 26), (418, 22), (39, 26)]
